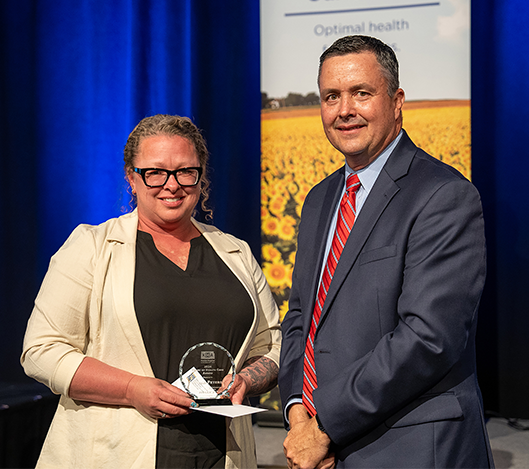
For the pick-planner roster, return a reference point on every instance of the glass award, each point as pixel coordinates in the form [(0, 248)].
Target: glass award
[(202, 370)]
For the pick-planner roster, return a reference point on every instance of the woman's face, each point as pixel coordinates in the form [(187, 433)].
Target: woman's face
[(170, 206)]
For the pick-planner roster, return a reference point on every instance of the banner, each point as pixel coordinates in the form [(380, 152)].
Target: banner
[(432, 43)]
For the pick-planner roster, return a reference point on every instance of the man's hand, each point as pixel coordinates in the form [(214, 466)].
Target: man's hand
[(306, 446)]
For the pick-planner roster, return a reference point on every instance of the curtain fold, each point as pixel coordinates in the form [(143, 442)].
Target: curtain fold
[(75, 79), (500, 165)]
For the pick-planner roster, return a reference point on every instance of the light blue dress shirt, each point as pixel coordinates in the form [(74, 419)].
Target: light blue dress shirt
[(367, 177)]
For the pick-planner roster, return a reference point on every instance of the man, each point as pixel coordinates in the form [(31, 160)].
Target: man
[(386, 377)]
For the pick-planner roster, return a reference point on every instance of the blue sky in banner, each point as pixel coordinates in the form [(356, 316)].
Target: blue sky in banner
[(431, 39)]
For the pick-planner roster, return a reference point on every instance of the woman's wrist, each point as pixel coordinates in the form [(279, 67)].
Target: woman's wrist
[(260, 375)]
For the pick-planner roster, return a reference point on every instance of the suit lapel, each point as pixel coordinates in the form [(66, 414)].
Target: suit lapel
[(381, 194), (322, 221)]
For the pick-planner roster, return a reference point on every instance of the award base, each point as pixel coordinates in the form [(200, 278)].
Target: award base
[(203, 402)]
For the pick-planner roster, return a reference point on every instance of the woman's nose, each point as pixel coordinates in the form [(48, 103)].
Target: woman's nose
[(172, 182)]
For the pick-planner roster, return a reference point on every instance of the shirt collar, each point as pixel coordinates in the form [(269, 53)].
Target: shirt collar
[(369, 174)]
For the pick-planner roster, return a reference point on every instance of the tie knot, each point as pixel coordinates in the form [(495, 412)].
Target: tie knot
[(353, 183)]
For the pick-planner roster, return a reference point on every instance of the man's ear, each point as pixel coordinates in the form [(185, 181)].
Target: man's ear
[(398, 99)]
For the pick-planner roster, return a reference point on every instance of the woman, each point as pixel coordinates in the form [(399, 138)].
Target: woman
[(123, 301)]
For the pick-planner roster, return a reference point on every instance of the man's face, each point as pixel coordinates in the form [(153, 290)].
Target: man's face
[(359, 117)]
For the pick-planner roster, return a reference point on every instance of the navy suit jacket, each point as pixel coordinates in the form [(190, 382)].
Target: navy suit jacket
[(395, 347)]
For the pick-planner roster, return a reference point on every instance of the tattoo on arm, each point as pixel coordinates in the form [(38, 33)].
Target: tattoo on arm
[(262, 373)]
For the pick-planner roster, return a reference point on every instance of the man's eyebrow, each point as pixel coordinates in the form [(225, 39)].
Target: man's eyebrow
[(365, 86), (329, 90), (358, 86)]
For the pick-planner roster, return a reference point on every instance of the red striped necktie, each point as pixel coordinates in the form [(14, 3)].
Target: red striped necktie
[(344, 224)]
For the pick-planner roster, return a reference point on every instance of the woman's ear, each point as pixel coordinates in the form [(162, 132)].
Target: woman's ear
[(130, 178)]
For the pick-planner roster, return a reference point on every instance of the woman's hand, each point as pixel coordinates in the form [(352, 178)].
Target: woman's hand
[(95, 381), (237, 392), (258, 375), (157, 398)]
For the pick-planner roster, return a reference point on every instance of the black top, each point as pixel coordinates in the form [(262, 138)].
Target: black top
[(177, 309)]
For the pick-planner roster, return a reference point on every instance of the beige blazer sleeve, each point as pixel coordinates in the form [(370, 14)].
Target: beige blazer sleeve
[(55, 340)]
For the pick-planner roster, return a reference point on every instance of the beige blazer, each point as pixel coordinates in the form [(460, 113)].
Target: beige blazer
[(85, 308)]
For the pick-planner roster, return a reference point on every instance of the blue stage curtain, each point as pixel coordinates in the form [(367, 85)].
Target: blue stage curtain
[(76, 76), (500, 170), (75, 79)]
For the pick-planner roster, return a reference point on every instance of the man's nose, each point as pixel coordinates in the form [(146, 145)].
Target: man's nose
[(347, 107)]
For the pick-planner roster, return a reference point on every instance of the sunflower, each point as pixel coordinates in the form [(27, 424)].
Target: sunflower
[(287, 228), (292, 188), (278, 274), (277, 204), (270, 226), (270, 253)]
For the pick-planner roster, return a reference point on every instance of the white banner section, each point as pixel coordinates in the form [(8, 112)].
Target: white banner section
[(432, 43)]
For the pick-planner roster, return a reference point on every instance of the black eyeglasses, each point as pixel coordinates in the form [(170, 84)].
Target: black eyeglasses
[(157, 177)]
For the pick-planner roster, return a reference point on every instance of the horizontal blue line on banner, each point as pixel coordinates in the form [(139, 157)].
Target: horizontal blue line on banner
[(304, 13)]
